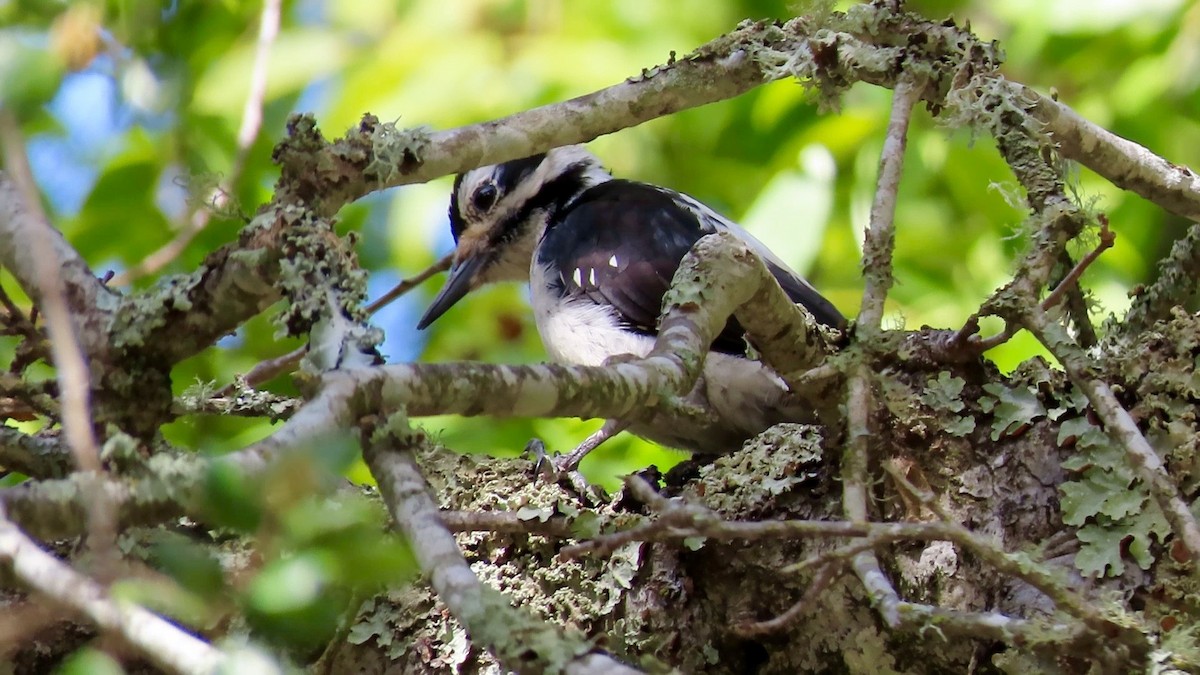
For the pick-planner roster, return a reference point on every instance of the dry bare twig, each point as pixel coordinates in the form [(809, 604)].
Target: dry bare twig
[(70, 361), (877, 271)]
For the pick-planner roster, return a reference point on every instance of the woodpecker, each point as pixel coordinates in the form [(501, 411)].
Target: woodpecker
[(599, 253)]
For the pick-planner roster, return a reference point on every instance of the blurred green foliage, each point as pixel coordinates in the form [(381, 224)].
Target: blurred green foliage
[(142, 123), (91, 662), (800, 178)]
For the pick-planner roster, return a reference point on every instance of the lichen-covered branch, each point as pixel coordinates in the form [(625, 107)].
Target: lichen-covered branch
[(855, 478), (675, 521), (830, 52), (139, 337), (877, 271), (881, 234), (1175, 285), (90, 304), (271, 368), (1122, 428), (61, 281), (155, 638), (721, 277), (32, 455), (58, 508), (1124, 163), (519, 641)]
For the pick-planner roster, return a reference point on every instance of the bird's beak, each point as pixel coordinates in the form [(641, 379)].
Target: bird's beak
[(458, 284)]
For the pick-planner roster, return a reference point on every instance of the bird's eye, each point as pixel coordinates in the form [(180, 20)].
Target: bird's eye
[(484, 197)]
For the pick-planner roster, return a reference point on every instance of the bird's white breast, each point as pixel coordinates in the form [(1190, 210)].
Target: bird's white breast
[(742, 397), (576, 330)]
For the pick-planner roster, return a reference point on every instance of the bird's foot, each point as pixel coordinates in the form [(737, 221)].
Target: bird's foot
[(543, 465), (571, 460), (550, 470)]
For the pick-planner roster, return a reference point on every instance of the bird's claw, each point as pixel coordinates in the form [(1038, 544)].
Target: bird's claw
[(543, 464), (559, 469)]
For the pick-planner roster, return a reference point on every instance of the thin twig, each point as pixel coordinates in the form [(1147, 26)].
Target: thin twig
[(826, 574), (268, 29), (854, 495), (505, 522), (70, 362), (675, 520), (16, 163), (967, 334), (877, 272), (1017, 566), (1107, 238), (880, 236), (410, 283), (16, 320)]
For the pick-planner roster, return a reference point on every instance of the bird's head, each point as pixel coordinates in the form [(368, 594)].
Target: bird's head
[(498, 213)]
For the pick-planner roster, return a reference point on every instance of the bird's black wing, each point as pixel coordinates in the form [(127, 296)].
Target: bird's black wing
[(800, 292), (620, 243)]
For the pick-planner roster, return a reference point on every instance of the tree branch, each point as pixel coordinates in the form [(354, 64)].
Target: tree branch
[(59, 277), (22, 232), (162, 643), (1175, 285), (32, 455), (1124, 163), (271, 368), (881, 234)]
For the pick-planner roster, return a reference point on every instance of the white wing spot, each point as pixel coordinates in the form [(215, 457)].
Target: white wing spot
[(577, 275)]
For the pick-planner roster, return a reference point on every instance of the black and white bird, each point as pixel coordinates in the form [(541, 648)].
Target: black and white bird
[(600, 253)]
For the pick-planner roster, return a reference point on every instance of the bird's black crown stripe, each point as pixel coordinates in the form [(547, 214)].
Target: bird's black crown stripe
[(551, 197), (510, 174), (457, 224)]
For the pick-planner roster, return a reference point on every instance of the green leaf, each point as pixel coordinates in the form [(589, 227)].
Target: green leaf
[(531, 513), (191, 565), (89, 661), (29, 75), (230, 500), (586, 525), (289, 584), (1100, 554), (1150, 523)]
